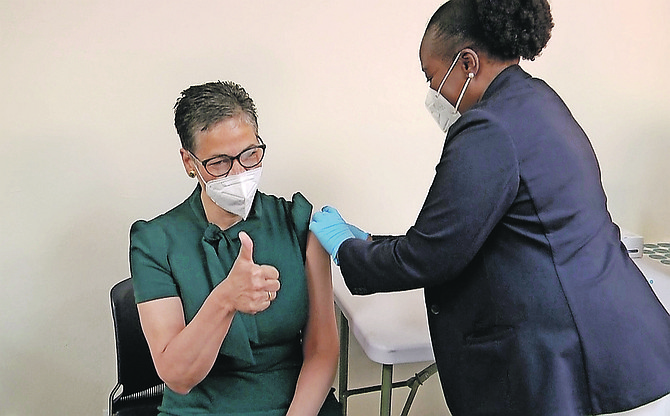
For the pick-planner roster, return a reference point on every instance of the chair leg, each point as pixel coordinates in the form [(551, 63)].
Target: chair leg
[(111, 399)]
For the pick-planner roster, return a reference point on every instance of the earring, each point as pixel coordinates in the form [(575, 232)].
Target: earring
[(191, 174)]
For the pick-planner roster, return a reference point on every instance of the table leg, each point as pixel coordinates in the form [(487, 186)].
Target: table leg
[(387, 388), (414, 383), (343, 376)]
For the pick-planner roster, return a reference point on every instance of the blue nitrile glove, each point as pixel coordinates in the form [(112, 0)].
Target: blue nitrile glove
[(330, 229), (358, 233)]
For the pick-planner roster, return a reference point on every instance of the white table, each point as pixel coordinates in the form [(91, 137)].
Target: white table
[(392, 328), (657, 274)]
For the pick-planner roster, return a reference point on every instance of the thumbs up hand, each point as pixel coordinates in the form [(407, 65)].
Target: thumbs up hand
[(251, 287)]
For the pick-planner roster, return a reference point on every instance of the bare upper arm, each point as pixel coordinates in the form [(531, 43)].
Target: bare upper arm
[(162, 320), (321, 320)]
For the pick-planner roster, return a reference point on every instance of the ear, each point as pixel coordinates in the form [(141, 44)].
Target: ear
[(187, 160), (469, 61)]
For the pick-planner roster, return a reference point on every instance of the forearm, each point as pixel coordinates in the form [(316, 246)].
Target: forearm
[(314, 382), (189, 355)]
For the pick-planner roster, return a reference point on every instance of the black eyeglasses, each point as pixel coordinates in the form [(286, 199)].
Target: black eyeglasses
[(222, 164)]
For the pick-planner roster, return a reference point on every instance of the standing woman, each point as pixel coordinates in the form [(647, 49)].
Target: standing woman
[(234, 293), (534, 305)]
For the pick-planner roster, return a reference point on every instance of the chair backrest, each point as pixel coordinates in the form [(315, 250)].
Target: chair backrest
[(135, 369)]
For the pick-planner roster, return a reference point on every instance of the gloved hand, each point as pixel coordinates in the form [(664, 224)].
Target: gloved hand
[(331, 230), (358, 233)]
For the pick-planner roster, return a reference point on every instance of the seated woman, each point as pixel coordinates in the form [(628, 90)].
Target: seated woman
[(234, 293)]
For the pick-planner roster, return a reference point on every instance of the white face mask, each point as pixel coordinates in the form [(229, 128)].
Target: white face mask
[(235, 193), (439, 107)]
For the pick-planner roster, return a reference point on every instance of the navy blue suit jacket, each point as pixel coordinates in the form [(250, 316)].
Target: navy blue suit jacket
[(533, 304)]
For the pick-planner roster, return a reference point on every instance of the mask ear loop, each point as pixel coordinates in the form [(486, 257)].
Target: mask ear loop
[(197, 171), (451, 68), (465, 86)]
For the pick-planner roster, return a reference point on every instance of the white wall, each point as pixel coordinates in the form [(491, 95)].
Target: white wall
[(86, 96)]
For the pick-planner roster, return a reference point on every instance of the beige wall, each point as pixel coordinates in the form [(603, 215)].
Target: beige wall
[(86, 95)]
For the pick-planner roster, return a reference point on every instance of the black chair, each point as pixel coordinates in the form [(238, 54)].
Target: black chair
[(141, 388)]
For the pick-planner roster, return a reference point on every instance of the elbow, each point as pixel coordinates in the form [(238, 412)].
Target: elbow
[(333, 354), (178, 384), (325, 352), (180, 377), (328, 346), (333, 351), (180, 389)]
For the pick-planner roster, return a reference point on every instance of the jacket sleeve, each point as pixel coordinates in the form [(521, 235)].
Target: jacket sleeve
[(476, 181)]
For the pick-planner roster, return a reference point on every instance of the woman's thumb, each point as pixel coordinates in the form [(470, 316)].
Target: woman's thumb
[(247, 247)]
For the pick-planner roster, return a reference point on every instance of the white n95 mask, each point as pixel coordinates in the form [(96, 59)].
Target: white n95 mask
[(235, 193), (439, 107)]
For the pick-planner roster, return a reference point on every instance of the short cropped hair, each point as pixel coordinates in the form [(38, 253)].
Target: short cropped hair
[(201, 106)]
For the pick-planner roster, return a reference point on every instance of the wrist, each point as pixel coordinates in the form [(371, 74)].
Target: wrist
[(336, 252), (358, 233), (224, 299)]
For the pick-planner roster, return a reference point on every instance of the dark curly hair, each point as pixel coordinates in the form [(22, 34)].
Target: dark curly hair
[(505, 29), (202, 106)]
